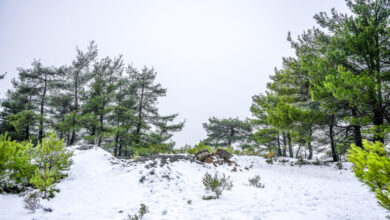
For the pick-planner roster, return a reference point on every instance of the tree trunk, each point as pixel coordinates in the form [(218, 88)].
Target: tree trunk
[(139, 123), (116, 144), (101, 130), (40, 135), (297, 153), (120, 147), (279, 150), (73, 138), (356, 130), (27, 132), (310, 147), (378, 125), (332, 143), (284, 144), (290, 150)]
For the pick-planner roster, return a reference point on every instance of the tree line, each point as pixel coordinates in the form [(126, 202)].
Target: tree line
[(334, 92), (99, 101)]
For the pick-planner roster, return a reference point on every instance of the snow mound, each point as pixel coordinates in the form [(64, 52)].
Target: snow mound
[(102, 187)]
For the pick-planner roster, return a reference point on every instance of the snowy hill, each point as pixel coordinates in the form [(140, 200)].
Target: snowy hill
[(102, 187)]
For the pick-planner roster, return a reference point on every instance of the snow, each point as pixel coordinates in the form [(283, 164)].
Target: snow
[(98, 189)]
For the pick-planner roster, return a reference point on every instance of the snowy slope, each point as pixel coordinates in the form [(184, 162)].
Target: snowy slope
[(98, 189)]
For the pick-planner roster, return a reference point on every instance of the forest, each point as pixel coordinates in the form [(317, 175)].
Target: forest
[(98, 101), (330, 102)]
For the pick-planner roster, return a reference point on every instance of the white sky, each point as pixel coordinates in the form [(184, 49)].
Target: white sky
[(212, 56)]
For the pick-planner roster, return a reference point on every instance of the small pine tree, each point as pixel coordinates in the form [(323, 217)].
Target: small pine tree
[(51, 159), (216, 184), (44, 181), (52, 154)]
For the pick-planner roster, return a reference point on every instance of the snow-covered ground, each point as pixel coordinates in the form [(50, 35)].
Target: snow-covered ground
[(98, 189)]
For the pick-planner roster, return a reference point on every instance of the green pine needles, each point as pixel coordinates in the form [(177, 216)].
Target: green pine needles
[(372, 167)]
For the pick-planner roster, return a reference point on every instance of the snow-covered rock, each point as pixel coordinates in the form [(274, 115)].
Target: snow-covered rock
[(102, 187)]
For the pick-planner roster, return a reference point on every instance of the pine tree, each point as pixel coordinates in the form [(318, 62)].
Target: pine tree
[(146, 94), (265, 133), (359, 45), (226, 132), (40, 78), (100, 98), (78, 75), (18, 115)]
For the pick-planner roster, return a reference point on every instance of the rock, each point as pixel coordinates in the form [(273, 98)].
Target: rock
[(85, 147), (209, 160), (221, 153), (142, 179), (203, 156), (47, 209), (201, 151), (219, 162)]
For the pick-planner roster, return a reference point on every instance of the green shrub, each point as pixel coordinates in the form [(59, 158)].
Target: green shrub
[(372, 166), (22, 165), (216, 184), (15, 164), (237, 152), (152, 149), (141, 212), (199, 147)]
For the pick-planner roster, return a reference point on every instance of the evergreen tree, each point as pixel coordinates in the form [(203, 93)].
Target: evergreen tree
[(78, 75), (265, 134), (18, 115), (40, 78), (359, 45), (100, 98), (225, 132), (124, 116), (149, 123)]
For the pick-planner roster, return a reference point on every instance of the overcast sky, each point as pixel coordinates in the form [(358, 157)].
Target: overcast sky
[(212, 56)]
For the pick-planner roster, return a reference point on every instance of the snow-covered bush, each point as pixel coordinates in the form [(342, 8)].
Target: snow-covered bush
[(339, 165), (15, 164), (216, 184), (32, 201), (141, 212), (372, 167), (255, 181)]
